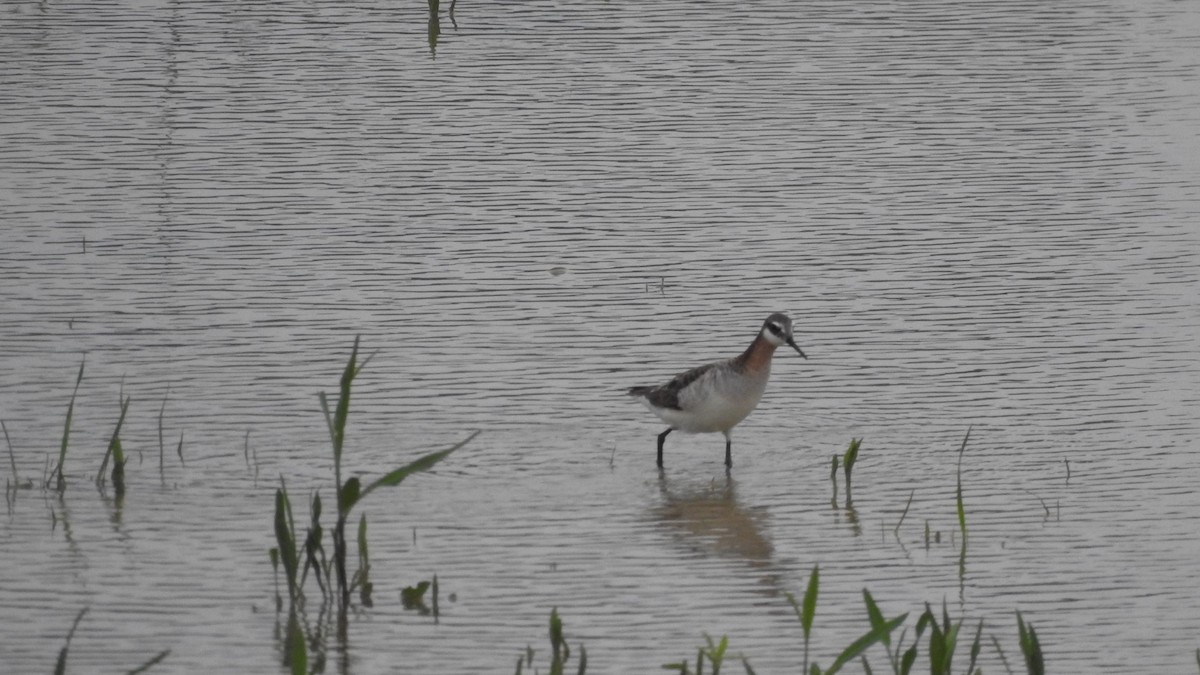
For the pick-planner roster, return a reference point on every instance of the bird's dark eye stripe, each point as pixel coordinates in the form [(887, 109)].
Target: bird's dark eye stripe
[(774, 328)]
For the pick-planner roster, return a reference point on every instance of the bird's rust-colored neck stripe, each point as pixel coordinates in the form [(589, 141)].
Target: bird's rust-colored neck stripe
[(757, 356)]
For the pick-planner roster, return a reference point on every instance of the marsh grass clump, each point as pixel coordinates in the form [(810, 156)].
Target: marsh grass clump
[(351, 491), (845, 461), (713, 652), (940, 635), (331, 572), (941, 647), (116, 453), (560, 651)]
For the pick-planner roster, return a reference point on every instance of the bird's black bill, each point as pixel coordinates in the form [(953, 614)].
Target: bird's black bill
[(797, 348)]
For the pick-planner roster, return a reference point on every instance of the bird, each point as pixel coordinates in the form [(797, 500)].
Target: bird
[(717, 396)]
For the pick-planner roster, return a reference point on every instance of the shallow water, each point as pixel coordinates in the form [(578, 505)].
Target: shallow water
[(979, 215)]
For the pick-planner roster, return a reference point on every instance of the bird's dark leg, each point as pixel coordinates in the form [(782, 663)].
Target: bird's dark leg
[(662, 437), (728, 452)]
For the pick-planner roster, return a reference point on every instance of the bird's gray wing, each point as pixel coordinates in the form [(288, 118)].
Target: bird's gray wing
[(667, 395)]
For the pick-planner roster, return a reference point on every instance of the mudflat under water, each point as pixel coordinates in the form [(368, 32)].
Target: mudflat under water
[(979, 214)]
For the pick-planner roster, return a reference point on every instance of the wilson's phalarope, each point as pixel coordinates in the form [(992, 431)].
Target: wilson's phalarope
[(717, 396)]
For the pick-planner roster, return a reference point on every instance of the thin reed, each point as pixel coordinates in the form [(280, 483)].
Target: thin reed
[(60, 481)]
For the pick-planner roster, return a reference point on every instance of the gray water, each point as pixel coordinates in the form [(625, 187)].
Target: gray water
[(979, 214)]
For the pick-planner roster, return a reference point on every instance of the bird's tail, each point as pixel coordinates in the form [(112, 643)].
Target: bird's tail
[(639, 391)]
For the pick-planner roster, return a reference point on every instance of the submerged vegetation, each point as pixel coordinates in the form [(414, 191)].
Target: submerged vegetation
[(560, 653)]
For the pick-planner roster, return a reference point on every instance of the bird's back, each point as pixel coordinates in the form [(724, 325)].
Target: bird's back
[(713, 397)]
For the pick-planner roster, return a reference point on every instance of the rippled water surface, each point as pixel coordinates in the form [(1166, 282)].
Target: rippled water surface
[(979, 214)]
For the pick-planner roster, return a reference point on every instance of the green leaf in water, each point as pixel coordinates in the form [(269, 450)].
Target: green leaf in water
[(61, 482), (851, 456), (556, 634), (285, 538), (349, 495), (863, 643), (413, 597), (295, 646), (1030, 647), (427, 462), (810, 601)]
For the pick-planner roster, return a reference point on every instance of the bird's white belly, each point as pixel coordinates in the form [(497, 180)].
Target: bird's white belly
[(715, 411)]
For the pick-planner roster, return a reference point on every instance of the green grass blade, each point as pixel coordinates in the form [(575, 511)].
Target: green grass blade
[(809, 606), (896, 530), (863, 643), (60, 481), (962, 513), (873, 612), (349, 495), (851, 456), (115, 449), (807, 609), (939, 659), (556, 634), (428, 461), (285, 538), (907, 661), (1034, 662), (364, 563), (295, 646), (976, 645), (342, 412), (328, 417)]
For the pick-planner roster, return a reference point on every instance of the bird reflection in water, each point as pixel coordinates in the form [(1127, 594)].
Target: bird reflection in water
[(707, 518)]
